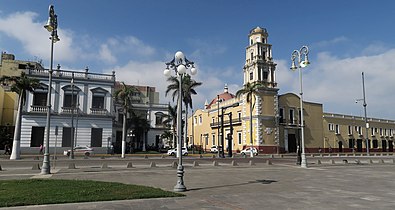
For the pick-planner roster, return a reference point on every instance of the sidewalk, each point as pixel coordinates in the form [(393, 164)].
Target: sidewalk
[(277, 186)]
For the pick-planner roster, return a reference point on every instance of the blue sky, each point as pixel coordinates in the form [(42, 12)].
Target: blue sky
[(135, 38)]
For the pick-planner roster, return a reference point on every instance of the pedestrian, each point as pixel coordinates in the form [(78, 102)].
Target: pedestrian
[(41, 149), (7, 150)]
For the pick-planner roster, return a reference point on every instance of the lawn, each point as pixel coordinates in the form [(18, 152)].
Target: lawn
[(48, 191)]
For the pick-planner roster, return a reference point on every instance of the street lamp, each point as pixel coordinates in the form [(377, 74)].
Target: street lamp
[(366, 117), (72, 118), (51, 26), (179, 64), (303, 52)]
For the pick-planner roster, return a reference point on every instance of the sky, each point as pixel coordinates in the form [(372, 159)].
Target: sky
[(136, 37)]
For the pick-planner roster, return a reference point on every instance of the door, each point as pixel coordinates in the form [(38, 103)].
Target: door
[(359, 145), (340, 146), (37, 137), (384, 145), (390, 146), (292, 143)]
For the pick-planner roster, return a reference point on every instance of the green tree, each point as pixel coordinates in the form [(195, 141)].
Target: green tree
[(20, 85), (171, 118), (123, 96), (188, 89), (140, 126), (250, 90)]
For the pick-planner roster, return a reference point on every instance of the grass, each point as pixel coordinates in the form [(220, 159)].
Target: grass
[(50, 191)]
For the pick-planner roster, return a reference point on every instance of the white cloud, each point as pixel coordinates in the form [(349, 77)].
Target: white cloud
[(24, 27), (336, 83), (333, 41), (106, 55)]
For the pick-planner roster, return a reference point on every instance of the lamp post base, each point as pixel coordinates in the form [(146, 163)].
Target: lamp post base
[(46, 168), (180, 187), (304, 161)]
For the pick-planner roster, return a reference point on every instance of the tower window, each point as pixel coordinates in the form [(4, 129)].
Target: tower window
[(252, 56), (251, 75), (265, 74), (251, 42)]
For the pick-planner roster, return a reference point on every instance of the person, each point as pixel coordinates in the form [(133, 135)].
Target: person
[(41, 149), (7, 149), (319, 149)]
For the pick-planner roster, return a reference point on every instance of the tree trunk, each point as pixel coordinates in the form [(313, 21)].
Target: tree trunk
[(186, 128), (124, 134), (251, 141), (16, 144)]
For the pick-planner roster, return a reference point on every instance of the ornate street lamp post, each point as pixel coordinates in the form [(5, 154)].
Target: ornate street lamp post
[(303, 52), (51, 26), (179, 64)]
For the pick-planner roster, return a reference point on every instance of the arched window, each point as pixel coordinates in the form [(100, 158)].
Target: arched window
[(40, 95), (98, 95), (70, 96)]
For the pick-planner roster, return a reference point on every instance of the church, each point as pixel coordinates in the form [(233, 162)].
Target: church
[(275, 120)]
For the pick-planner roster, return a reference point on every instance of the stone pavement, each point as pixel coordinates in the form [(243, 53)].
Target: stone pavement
[(261, 186)]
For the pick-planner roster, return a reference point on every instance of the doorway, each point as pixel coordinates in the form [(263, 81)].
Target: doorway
[(292, 143), (384, 145), (340, 146), (37, 137), (390, 146), (359, 145)]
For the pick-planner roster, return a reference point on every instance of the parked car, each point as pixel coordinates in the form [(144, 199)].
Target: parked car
[(214, 149), (80, 150), (172, 152), (247, 151)]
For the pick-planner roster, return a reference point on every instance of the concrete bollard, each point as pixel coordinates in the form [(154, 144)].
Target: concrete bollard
[(215, 163), (213, 156), (381, 161), (104, 165), (71, 166), (318, 162), (152, 165), (370, 161), (357, 162), (129, 165), (251, 163), (145, 156), (332, 161), (234, 163), (345, 161), (271, 156), (195, 164), (174, 164), (36, 167), (268, 162), (200, 156), (163, 156), (281, 156), (102, 157)]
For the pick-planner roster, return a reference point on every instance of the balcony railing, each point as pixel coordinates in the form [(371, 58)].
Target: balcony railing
[(235, 121), (69, 74), (38, 108), (99, 111), (68, 110)]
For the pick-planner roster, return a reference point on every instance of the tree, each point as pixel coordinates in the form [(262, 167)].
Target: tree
[(167, 135), (171, 117), (140, 125), (188, 89), (20, 85), (123, 95), (251, 90)]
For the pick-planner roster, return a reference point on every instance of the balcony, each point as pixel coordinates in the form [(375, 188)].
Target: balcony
[(38, 109), (68, 110), (99, 111), (235, 121)]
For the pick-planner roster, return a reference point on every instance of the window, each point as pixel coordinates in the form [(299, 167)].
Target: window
[(213, 140), (375, 143), (239, 115), (391, 133), (281, 115), (351, 143), (40, 95), (349, 130), (200, 119), (252, 56), (96, 137), (381, 132), (265, 75), (331, 127), (159, 118), (251, 75), (239, 137), (385, 132), (359, 129), (376, 130), (372, 131), (195, 120), (70, 96), (98, 96), (337, 129), (291, 116)]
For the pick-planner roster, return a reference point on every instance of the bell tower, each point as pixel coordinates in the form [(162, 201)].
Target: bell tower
[(259, 65)]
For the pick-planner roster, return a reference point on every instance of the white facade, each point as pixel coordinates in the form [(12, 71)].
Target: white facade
[(92, 117)]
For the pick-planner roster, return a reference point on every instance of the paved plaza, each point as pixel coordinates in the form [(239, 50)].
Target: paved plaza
[(281, 185)]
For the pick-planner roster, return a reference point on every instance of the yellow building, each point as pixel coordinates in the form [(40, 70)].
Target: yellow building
[(276, 124)]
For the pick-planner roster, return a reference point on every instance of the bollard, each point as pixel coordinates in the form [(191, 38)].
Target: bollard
[(145, 156), (357, 162), (268, 162), (36, 167), (318, 162), (370, 161), (71, 165), (102, 157), (332, 161), (200, 156), (152, 165), (251, 163), (104, 165), (195, 164), (163, 156), (234, 163), (215, 163), (381, 161), (129, 165), (174, 164), (345, 161)]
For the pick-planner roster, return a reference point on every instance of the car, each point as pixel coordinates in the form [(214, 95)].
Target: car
[(247, 151), (80, 150), (172, 152), (214, 149)]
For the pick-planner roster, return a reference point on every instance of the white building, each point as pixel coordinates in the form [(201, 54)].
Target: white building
[(92, 118)]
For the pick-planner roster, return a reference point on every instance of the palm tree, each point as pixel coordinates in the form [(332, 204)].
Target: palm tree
[(20, 85), (171, 117), (251, 89), (140, 125), (123, 95), (188, 89), (167, 135), (174, 86)]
